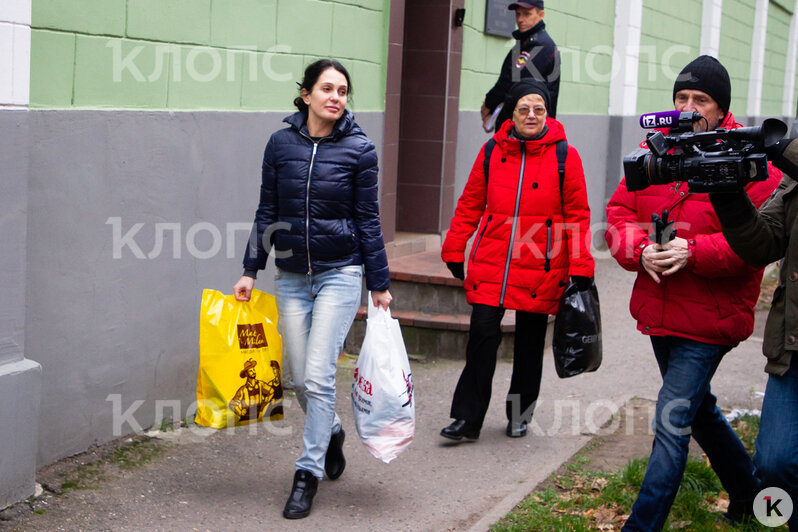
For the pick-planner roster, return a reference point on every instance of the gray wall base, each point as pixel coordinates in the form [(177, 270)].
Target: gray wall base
[(20, 391)]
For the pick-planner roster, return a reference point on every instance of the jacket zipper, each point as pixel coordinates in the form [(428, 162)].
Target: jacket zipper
[(515, 223), (547, 266), (307, 200), (474, 252)]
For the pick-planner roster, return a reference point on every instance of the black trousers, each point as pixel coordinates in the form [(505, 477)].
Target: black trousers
[(472, 394)]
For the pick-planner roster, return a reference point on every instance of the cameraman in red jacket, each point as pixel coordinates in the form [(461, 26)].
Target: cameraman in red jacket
[(532, 235), (695, 298)]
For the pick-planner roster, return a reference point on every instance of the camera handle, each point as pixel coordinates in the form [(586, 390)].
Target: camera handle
[(663, 229)]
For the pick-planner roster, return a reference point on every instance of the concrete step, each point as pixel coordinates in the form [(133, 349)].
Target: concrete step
[(432, 310), (432, 335), (421, 282), (411, 243)]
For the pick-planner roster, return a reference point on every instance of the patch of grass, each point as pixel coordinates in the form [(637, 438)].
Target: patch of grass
[(578, 499), (83, 477), (88, 476), (747, 427), (135, 455)]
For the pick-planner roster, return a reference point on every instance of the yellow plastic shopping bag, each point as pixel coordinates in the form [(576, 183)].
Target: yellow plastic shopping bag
[(239, 378)]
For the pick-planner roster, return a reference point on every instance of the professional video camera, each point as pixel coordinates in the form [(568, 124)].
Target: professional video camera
[(723, 160)]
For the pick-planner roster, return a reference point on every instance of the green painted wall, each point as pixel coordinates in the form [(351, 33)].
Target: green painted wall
[(737, 30), (201, 54), (582, 30), (795, 98), (667, 44), (775, 60)]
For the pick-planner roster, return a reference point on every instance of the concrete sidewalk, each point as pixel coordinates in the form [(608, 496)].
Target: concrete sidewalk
[(234, 480)]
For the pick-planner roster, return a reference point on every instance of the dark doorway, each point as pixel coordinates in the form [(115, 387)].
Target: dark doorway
[(430, 91)]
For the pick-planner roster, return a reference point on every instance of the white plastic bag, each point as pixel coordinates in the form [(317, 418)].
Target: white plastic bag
[(382, 391)]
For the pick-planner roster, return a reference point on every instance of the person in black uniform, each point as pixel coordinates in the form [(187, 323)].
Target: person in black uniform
[(535, 55)]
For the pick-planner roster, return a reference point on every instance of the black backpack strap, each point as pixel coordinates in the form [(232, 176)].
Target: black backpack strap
[(486, 162), (562, 153)]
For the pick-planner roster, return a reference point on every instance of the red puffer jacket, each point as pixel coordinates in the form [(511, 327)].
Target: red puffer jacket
[(526, 247), (712, 298)]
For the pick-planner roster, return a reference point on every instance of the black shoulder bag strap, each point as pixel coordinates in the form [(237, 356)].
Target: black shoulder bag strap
[(486, 162), (562, 153)]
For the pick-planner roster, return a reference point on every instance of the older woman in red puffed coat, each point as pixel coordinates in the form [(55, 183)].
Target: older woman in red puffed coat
[(531, 235)]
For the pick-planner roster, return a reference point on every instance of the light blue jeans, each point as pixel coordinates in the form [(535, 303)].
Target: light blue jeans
[(316, 312)]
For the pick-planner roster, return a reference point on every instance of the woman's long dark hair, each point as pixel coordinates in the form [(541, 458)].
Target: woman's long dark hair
[(312, 73)]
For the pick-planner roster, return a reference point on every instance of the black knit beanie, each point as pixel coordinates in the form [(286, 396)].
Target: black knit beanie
[(518, 91), (706, 74)]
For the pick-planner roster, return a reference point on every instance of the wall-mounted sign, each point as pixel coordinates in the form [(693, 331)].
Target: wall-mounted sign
[(499, 20)]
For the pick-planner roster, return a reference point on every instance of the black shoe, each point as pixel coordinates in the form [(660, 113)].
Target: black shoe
[(301, 498), (739, 511), (334, 461), (460, 429), (516, 429)]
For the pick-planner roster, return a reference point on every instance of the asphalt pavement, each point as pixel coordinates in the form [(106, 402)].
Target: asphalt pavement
[(239, 480)]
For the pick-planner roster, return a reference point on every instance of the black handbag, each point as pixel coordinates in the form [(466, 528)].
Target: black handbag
[(577, 332)]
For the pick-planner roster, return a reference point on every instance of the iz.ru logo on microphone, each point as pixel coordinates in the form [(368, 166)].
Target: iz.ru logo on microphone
[(773, 507)]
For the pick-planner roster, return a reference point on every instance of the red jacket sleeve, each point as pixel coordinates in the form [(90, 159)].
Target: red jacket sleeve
[(711, 255), (577, 216), (469, 210), (625, 237)]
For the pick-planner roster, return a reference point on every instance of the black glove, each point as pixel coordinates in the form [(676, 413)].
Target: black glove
[(458, 272), (663, 229), (583, 284), (783, 156), (775, 150)]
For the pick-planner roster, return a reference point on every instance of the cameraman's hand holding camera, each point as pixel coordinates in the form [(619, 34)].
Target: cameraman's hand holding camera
[(665, 259)]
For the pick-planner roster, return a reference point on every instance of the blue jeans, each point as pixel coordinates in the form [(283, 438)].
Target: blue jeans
[(776, 455), (685, 407), (316, 312)]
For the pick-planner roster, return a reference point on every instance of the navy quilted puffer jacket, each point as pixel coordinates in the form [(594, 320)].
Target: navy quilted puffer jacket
[(318, 203)]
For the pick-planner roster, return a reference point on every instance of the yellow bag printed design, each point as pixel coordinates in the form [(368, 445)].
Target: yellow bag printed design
[(239, 378)]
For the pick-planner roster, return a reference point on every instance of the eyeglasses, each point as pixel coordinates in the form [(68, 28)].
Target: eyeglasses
[(524, 111)]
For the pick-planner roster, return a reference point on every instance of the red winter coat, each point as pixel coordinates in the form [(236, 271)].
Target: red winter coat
[(521, 213), (712, 298)]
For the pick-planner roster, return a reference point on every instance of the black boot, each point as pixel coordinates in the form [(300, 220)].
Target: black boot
[(334, 461), (516, 429), (301, 498), (460, 429)]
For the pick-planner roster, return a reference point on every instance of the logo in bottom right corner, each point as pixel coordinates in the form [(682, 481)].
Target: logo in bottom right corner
[(773, 507)]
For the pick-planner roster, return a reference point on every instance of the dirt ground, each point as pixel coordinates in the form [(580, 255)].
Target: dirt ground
[(628, 437)]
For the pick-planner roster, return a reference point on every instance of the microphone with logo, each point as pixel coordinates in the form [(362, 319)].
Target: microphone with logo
[(676, 121)]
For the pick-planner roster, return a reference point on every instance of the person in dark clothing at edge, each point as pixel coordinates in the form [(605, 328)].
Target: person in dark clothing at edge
[(534, 55), (761, 238)]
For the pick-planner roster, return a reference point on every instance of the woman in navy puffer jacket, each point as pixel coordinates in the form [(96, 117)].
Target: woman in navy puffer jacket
[(318, 207)]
